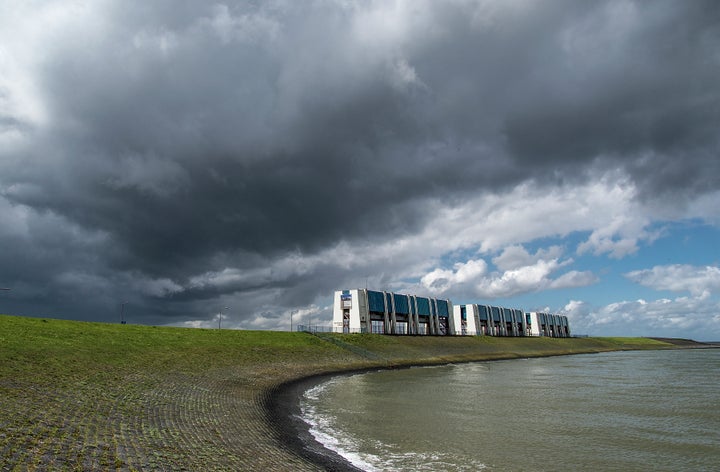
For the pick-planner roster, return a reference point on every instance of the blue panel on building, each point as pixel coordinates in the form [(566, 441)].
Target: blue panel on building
[(401, 304), (442, 306), (483, 312), (495, 313), (375, 301), (423, 305)]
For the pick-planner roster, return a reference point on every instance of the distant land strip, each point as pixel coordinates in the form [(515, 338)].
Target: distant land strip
[(99, 396)]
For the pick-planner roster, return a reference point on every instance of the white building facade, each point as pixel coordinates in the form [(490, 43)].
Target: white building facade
[(546, 324), (372, 311), (380, 312), (493, 320)]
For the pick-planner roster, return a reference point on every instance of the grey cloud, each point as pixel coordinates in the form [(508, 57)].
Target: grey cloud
[(194, 138), (651, 106)]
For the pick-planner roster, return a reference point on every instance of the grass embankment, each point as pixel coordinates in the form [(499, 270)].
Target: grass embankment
[(93, 396)]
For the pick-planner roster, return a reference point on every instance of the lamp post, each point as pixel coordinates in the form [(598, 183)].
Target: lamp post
[(292, 312), (122, 310), (220, 317)]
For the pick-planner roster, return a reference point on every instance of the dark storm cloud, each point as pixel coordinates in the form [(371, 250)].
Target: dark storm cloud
[(187, 138), (644, 97)]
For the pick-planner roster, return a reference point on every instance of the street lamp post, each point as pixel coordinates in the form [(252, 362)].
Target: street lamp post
[(292, 312), (220, 317), (122, 312)]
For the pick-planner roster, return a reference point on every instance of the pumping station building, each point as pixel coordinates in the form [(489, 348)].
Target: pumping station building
[(380, 312)]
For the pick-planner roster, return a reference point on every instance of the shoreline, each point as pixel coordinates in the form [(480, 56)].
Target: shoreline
[(291, 432), (289, 396), (282, 404)]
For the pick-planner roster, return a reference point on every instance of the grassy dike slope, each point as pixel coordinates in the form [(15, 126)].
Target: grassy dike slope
[(94, 396)]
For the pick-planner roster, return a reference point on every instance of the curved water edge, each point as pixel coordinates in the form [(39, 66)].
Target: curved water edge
[(293, 433), (284, 404)]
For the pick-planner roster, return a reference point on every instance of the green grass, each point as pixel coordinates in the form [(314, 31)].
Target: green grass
[(455, 349), (96, 396)]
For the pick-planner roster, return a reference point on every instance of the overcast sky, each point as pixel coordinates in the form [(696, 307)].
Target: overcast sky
[(185, 156)]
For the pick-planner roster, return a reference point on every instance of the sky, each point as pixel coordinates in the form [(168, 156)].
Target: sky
[(171, 161)]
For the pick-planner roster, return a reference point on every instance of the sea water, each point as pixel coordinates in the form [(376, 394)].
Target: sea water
[(629, 411)]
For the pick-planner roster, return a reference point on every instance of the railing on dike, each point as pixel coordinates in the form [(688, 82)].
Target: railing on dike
[(315, 328)]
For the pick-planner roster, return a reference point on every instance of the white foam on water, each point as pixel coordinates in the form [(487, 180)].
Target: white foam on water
[(324, 429)]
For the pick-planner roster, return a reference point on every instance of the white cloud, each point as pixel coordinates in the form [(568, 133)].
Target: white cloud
[(521, 272), (463, 273), (620, 235), (533, 278), (488, 223), (516, 256), (606, 207), (521, 280), (694, 317), (699, 281), (574, 278), (194, 324)]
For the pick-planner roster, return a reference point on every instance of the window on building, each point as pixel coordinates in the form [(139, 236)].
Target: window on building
[(378, 326), (443, 326)]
